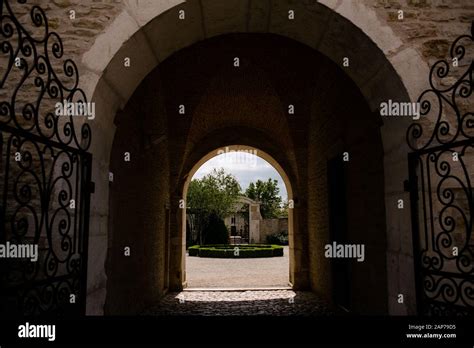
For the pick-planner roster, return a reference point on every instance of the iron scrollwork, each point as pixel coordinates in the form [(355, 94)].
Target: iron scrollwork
[(32, 58), (441, 166), (443, 106), (45, 169)]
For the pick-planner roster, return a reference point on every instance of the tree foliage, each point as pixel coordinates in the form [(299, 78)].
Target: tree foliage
[(284, 209), (216, 193), (267, 193), (211, 198), (215, 232)]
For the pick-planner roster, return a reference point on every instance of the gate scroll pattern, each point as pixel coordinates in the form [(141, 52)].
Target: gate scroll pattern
[(441, 170), (45, 169)]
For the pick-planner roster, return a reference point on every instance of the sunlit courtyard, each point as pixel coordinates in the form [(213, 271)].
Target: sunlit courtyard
[(267, 272)]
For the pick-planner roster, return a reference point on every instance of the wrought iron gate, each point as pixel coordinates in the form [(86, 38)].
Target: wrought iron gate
[(441, 169), (45, 171)]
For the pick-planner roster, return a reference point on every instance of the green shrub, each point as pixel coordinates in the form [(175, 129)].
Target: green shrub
[(216, 231), (278, 251), (194, 250), (279, 238), (244, 251)]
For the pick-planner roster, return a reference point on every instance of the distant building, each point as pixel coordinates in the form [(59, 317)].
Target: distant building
[(246, 224)]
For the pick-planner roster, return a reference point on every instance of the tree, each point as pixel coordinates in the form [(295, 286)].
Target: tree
[(213, 195), (284, 209), (215, 231), (267, 193)]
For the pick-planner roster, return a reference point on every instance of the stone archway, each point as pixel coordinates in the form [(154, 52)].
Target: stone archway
[(385, 68), (249, 106), (141, 30), (295, 253)]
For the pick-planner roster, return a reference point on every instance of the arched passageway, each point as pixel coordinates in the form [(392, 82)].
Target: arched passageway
[(282, 98), (273, 272), (306, 91)]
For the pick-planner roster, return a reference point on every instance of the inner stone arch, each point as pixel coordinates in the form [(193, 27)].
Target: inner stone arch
[(250, 109), (151, 35), (188, 175)]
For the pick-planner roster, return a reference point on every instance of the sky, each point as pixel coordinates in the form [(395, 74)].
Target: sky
[(245, 167)]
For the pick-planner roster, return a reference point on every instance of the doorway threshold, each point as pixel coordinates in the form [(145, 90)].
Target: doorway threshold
[(269, 288)]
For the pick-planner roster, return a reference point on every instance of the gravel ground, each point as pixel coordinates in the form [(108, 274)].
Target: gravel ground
[(213, 273), (238, 273), (242, 303)]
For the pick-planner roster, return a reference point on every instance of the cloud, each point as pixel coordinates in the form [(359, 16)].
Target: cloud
[(246, 168)]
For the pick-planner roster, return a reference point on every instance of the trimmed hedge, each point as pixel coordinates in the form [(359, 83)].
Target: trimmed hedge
[(229, 251), (280, 238)]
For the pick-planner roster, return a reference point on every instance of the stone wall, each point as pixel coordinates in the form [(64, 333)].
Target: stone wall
[(272, 226), (428, 26), (342, 123), (139, 206)]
